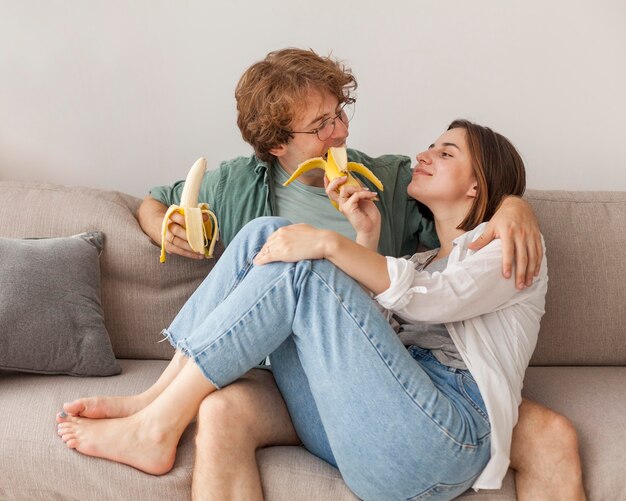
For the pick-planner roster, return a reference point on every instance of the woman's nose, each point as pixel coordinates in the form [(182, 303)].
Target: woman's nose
[(423, 157)]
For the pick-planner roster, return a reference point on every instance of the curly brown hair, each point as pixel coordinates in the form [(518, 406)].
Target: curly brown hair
[(272, 91), (498, 168)]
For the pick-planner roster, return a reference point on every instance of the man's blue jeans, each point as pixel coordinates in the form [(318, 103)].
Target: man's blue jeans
[(396, 422)]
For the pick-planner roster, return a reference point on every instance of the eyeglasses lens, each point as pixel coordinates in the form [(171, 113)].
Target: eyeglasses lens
[(345, 115)]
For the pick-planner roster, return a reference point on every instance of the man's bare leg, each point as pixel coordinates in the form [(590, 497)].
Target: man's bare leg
[(116, 407), (232, 423), (544, 455)]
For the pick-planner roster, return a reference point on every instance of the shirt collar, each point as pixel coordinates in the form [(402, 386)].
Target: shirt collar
[(261, 167)]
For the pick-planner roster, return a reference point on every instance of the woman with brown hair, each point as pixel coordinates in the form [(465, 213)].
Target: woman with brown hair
[(417, 400)]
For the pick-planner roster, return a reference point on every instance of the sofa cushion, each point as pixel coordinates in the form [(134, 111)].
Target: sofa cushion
[(293, 474), (50, 311), (36, 464)]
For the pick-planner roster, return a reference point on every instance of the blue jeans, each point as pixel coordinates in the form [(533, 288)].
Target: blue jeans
[(394, 421)]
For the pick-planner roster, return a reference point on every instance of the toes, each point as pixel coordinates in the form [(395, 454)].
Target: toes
[(61, 417), (71, 420), (65, 432), (67, 425), (66, 437), (72, 443), (75, 407), (63, 429)]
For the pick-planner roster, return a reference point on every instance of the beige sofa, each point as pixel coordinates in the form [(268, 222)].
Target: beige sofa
[(579, 367)]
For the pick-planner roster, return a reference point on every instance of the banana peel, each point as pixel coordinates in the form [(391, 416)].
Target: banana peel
[(201, 235), (337, 165)]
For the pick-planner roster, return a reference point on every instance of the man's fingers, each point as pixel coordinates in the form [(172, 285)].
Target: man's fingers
[(521, 262), (482, 240), (177, 218), (174, 230), (507, 257), (531, 266), (539, 252), (173, 246), (176, 242)]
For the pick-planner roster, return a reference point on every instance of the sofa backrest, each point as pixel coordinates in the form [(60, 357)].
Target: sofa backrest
[(140, 296), (585, 233), (585, 320)]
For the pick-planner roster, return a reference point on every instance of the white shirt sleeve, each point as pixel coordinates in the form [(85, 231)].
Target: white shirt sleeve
[(465, 289)]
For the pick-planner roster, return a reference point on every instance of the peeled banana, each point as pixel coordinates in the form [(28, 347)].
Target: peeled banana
[(201, 235), (336, 166)]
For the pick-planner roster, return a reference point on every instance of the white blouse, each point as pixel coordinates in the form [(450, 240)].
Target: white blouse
[(493, 325)]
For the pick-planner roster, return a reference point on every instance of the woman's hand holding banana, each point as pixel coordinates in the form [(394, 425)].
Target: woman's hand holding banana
[(357, 204)]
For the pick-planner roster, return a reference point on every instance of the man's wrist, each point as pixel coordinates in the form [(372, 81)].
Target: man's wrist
[(150, 216), (512, 200)]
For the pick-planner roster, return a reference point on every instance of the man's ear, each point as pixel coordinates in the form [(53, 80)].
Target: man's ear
[(279, 151)]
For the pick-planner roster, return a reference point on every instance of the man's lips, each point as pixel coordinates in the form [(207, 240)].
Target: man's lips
[(339, 145)]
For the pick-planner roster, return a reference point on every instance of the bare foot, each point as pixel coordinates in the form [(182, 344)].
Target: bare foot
[(106, 407), (128, 440)]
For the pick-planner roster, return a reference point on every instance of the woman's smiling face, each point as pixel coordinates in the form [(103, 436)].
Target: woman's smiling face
[(444, 172)]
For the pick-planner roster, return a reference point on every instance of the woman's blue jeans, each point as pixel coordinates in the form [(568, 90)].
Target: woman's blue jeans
[(397, 423)]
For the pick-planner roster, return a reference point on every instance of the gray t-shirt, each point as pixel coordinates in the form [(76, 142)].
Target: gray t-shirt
[(433, 337), (308, 205)]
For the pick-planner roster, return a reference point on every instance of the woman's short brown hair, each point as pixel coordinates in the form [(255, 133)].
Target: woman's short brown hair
[(271, 92), (498, 168)]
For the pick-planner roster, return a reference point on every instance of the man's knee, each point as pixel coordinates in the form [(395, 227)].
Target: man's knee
[(542, 434), (563, 429), (554, 427), (225, 415)]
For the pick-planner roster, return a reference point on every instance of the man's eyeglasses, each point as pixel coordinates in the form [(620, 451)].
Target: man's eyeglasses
[(327, 127)]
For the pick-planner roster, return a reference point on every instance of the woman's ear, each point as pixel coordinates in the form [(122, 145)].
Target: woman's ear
[(473, 191)]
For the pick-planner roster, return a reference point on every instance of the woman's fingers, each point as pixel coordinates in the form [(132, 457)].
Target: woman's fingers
[(352, 201), (332, 187), (347, 198)]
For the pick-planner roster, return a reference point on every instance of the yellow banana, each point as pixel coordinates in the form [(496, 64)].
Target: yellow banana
[(201, 235), (336, 166)]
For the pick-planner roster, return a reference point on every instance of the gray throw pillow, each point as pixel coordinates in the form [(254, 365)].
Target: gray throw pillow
[(51, 318)]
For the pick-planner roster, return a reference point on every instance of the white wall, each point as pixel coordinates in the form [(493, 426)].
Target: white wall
[(126, 94)]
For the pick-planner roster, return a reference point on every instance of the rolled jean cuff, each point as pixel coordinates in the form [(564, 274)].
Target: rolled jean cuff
[(182, 346)]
